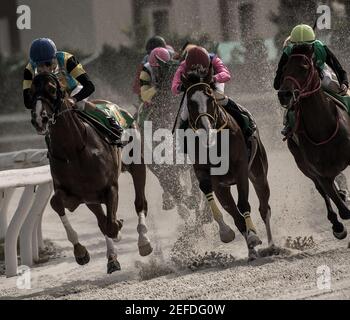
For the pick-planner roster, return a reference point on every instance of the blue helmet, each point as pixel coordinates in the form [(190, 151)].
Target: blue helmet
[(42, 50)]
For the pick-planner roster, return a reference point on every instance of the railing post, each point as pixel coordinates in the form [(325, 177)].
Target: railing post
[(14, 229), (41, 197), (5, 197)]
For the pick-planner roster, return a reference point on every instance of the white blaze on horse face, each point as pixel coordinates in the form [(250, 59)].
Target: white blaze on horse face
[(202, 100), (38, 110)]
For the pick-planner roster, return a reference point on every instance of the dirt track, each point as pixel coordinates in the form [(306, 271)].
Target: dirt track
[(221, 273)]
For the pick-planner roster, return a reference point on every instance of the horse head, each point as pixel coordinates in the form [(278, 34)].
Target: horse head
[(300, 76), (47, 96), (165, 73), (203, 109)]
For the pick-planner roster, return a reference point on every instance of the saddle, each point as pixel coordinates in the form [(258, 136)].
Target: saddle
[(101, 124)]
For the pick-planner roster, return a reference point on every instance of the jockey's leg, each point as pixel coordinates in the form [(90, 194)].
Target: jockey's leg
[(235, 110), (85, 105), (329, 80)]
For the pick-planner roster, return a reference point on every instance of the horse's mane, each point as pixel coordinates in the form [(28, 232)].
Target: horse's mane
[(305, 48)]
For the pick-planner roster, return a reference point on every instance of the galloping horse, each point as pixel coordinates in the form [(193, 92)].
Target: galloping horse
[(205, 113), (85, 169), (162, 114), (320, 140)]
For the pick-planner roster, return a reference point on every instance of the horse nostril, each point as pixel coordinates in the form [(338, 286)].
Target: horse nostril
[(285, 96)]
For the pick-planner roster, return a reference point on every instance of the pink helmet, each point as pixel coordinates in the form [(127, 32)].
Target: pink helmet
[(158, 53)]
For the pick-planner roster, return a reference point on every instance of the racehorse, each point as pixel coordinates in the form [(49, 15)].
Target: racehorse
[(85, 169), (206, 114), (320, 140), (162, 113)]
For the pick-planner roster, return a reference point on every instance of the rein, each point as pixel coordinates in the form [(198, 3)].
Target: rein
[(214, 117), (56, 113), (305, 91)]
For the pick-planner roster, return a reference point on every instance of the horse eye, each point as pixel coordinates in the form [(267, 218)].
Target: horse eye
[(305, 66)]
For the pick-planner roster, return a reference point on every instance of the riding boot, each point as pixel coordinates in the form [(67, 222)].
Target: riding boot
[(237, 113), (116, 129), (252, 123)]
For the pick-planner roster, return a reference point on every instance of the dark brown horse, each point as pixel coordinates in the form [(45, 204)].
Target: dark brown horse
[(320, 140), (85, 169), (162, 113), (205, 113)]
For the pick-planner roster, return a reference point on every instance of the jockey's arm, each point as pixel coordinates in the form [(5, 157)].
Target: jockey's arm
[(27, 83), (76, 70), (221, 72), (147, 90), (279, 72), (334, 63)]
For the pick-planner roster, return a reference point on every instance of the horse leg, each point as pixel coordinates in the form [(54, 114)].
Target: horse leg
[(244, 209), (228, 203), (226, 233), (112, 263), (80, 253), (330, 189), (339, 231), (168, 201), (138, 173), (338, 228), (262, 190), (258, 177), (113, 225), (203, 215), (342, 187)]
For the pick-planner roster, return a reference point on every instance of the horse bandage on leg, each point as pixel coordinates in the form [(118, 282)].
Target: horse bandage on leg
[(214, 208), (248, 221)]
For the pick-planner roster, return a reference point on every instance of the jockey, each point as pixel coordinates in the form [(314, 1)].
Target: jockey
[(149, 76), (44, 57), (197, 56), (325, 60), (152, 43)]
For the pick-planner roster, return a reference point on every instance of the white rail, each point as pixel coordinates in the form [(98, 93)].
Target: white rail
[(26, 220)]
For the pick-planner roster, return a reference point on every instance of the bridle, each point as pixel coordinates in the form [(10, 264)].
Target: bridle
[(306, 90), (56, 103), (217, 108)]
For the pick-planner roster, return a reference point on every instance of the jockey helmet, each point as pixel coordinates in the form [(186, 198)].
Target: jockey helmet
[(171, 50), (155, 42), (198, 59), (188, 46), (302, 33), (42, 50), (158, 54)]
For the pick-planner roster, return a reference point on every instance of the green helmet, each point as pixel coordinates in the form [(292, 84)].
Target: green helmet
[(302, 33)]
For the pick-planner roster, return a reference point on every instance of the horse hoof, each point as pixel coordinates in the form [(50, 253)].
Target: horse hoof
[(253, 240), (118, 238), (227, 236), (113, 265), (82, 256), (341, 235), (252, 255), (145, 249)]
